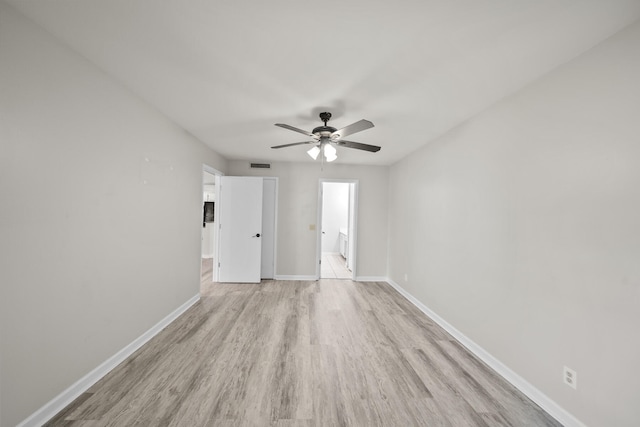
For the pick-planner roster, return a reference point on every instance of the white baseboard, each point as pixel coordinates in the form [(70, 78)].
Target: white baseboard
[(294, 277), (542, 400), (357, 279), (61, 401), (371, 279)]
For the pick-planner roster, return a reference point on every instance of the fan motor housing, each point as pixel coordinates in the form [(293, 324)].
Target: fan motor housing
[(324, 130)]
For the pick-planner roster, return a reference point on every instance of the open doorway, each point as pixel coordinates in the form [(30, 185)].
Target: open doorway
[(337, 217), (209, 235)]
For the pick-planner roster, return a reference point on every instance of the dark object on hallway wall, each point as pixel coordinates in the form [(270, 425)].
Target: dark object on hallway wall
[(208, 213)]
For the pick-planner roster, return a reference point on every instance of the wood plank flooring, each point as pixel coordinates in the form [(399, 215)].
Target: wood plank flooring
[(294, 353)]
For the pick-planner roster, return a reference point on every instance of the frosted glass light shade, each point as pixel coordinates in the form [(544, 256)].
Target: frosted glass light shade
[(330, 152), (313, 153)]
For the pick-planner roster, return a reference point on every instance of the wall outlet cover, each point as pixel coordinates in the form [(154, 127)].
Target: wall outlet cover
[(570, 377)]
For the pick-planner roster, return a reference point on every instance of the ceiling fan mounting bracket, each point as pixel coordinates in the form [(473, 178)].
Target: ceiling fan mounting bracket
[(325, 116)]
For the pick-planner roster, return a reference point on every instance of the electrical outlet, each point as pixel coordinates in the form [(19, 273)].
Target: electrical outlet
[(406, 277), (570, 377)]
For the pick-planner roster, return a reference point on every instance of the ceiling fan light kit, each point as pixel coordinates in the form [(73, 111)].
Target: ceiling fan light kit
[(327, 138), (313, 152), (330, 152)]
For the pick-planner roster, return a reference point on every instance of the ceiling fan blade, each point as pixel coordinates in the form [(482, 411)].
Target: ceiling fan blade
[(295, 143), (358, 145), (358, 126), (304, 132)]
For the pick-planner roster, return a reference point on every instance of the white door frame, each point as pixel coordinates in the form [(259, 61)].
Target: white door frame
[(216, 214), (355, 183), (275, 223)]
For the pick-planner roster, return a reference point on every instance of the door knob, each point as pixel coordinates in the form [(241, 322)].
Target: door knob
[(257, 235)]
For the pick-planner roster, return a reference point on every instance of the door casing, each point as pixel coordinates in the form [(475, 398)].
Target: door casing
[(353, 231)]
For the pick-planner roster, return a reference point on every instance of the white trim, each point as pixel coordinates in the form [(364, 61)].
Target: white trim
[(371, 279), (275, 222), (216, 231), (211, 170), (295, 277), (542, 400), (275, 227), (58, 403), (216, 214), (319, 232), (314, 278)]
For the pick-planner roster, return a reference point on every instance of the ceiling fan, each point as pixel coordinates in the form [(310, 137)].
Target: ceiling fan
[(327, 138)]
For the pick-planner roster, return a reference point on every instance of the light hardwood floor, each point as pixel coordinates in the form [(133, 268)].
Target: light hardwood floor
[(294, 353)]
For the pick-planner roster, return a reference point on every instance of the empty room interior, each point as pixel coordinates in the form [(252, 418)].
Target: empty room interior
[(484, 269)]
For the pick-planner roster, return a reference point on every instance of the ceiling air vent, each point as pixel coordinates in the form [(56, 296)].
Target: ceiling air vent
[(260, 166)]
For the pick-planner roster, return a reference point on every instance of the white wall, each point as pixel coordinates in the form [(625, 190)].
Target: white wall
[(335, 214), (91, 256), (298, 208), (521, 229)]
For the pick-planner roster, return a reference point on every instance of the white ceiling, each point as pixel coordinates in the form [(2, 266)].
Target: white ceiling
[(227, 70)]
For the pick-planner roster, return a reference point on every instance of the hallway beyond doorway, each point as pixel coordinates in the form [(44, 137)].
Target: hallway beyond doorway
[(334, 266), (206, 277)]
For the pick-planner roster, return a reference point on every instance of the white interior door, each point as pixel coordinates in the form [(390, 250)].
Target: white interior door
[(240, 229)]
